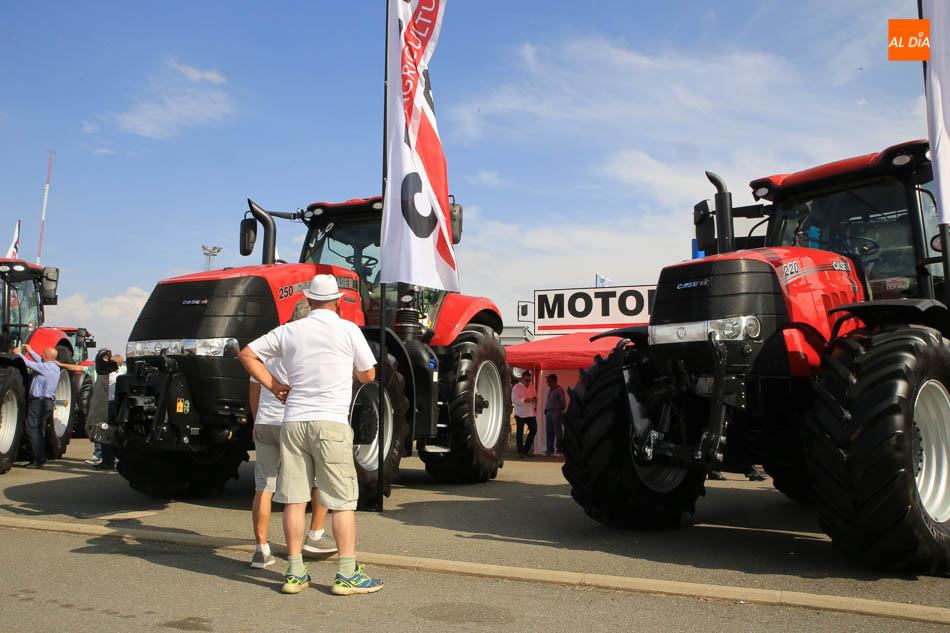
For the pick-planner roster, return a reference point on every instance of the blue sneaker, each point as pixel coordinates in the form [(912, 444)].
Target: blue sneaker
[(294, 584), (357, 583)]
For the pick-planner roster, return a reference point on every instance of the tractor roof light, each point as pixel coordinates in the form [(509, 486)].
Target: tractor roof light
[(4, 269), (761, 192), (901, 160), (19, 268)]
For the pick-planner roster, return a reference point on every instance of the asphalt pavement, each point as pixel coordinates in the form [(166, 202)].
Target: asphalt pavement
[(744, 535)]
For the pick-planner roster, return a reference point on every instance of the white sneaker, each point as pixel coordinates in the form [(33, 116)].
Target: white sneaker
[(326, 544), (261, 560)]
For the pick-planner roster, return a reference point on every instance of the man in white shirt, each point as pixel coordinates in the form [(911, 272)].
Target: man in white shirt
[(524, 397), (321, 354), (268, 418)]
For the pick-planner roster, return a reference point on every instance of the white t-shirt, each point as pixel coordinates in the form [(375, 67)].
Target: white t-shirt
[(112, 378), (319, 353), (270, 410), (520, 393)]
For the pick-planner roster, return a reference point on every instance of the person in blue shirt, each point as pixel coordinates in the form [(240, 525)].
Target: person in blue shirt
[(42, 391)]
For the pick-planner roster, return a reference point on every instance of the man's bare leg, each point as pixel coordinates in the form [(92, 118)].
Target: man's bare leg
[(318, 519), (260, 515), (294, 521)]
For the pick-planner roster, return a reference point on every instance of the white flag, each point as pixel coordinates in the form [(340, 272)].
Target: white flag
[(416, 240), (14, 251), (938, 100), (602, 282)]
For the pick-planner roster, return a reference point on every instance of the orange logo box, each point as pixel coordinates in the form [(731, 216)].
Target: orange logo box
[(908, 40)]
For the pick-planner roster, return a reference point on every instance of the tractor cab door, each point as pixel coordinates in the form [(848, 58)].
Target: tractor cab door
[(928, 212), (22, 312)]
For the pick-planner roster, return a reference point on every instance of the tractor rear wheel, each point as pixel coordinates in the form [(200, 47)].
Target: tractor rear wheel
[(476, 385), (60, 426), (364, 417), (12, 415), (598, 462), (82, 390), (166, 474), (879, 448)]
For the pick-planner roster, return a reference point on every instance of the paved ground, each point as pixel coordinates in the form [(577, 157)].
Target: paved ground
[(744, 534), (103, 585)]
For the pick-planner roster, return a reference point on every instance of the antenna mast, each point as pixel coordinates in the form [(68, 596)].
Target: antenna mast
[(49, 170)]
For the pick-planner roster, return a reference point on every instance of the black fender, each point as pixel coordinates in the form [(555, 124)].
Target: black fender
[(638, 334), (927, 312)]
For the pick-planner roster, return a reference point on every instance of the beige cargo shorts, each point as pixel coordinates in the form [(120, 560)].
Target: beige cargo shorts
[(317, 453), (267, 460)]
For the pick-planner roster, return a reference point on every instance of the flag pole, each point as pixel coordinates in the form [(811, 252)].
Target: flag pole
[(380, 436), (942, 227)]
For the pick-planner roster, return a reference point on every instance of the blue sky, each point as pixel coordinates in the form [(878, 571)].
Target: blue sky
[(576, 134)]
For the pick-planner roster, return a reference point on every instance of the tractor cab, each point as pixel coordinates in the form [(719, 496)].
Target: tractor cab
[(877, 210), (24, 290)]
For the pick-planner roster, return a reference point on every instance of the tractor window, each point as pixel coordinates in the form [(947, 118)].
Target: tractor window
[(869, 224), (24, 308), (354, 246)]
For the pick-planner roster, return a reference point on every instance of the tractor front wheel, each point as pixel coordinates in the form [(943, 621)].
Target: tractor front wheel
[(59, 428), (598, 462), (12, 415), (365, 417), (477, 388), (879, 448)]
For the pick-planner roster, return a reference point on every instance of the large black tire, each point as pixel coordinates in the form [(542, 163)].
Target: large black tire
[(598, 462), (475, 384), (167, 474), (363, 418), (880, 432), (790, 477), (59, 427), (82, 390), (12, 415)]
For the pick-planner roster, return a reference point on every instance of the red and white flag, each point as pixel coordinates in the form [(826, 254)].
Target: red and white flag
[(14, 251), (416, 240)]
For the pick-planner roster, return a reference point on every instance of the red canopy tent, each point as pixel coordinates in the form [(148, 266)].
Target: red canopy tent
[(570, 351)]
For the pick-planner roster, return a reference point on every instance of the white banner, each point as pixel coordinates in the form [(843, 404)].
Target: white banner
[(416, 240), (14, 251), (591, 309), (938, 117)]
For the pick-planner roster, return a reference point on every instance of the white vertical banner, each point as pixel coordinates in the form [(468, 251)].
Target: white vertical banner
[(416, 240), (938, 100), (14, 250)]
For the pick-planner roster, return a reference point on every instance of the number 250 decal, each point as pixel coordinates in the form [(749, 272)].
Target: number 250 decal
[(286, 291), (790, 269)]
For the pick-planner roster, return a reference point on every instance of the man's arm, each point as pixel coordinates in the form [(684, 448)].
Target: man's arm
[(70, 367), (255, 391), (365, 376), (256, 368)]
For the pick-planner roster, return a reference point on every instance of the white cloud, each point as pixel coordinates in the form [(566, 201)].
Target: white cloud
[(110, 319), (89, 128), (103, 150), (176, 101), (195, 75), (487, 178)]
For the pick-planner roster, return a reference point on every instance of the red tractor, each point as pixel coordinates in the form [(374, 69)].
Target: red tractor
[(184, 424), (817, 348), (24, 290)]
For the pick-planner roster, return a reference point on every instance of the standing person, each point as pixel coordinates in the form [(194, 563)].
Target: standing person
[(108, 451), (268, 417), (524, 397), (554, 407), (42, 391), (322, 354)]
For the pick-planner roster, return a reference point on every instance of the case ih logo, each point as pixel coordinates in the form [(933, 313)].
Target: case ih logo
[(908, 40), (686, 285), (194, 302)]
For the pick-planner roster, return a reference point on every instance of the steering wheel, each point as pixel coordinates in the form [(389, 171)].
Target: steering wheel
[(365, 260), (860, 246)]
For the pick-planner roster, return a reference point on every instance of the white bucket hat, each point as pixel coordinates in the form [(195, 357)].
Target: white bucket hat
[(323, 288)]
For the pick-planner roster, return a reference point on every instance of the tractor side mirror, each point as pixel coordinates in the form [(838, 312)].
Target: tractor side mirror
[(90, 343), (936, 243), (705, 226), (455, 213), (48, 286), (248, 236)]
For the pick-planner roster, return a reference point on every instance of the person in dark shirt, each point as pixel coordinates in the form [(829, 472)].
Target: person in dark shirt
[(554, 407)]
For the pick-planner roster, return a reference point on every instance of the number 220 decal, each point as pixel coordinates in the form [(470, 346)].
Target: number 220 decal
[(790, 269)]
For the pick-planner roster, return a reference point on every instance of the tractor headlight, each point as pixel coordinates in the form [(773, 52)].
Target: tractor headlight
[(222, 347), (729, 329)]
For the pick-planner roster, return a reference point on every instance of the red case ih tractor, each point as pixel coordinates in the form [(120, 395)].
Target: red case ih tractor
[(24, 290), (819, 352), (184, 425)]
